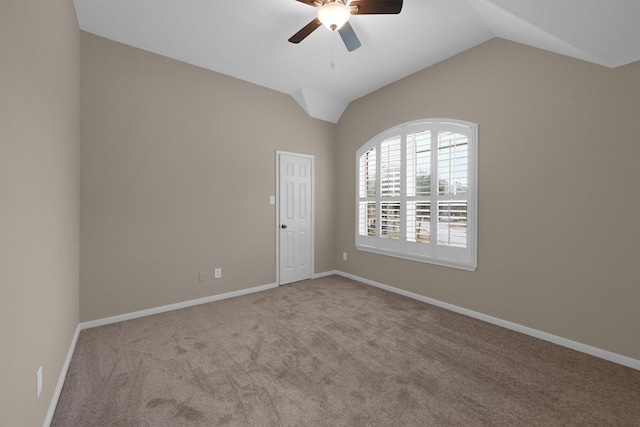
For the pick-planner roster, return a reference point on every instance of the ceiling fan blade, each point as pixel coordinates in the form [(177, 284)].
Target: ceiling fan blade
[(373, 7), (314, 3), (349, 37), (305, 31)]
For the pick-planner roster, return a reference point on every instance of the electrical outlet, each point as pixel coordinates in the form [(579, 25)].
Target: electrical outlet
[(39, 382), (344, 256), (217, 273), (202, 277)]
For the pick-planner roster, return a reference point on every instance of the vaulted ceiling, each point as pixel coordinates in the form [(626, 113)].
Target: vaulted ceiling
[(247, 39)]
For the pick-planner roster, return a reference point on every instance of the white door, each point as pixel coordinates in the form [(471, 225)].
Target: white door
[(295, 225)]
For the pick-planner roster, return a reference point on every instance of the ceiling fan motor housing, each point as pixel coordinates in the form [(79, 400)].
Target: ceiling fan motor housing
[(333, 14)]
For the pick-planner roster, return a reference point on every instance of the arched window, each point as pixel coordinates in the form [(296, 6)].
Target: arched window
[(416, 195)]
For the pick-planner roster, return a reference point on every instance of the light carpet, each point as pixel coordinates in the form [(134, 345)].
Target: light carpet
[(334, 352)]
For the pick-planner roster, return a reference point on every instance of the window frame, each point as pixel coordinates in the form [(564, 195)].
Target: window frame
[(464, 258)]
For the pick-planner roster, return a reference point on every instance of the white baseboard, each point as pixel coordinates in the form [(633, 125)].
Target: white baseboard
[(574, 345), (325, 274), (170, 307), (61, 378)]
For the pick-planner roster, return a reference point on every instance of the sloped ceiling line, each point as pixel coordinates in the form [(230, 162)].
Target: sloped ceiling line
[(248, 39)]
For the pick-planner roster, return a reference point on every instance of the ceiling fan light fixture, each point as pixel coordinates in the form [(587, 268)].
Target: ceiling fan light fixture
[(333, 15)]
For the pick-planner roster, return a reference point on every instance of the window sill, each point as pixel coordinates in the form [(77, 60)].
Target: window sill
[(419, 258)]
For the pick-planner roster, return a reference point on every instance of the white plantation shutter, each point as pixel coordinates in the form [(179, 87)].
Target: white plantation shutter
[(390, 183), (417, 193), (367, 170), (453, 174), (418, 186), (390, 163)]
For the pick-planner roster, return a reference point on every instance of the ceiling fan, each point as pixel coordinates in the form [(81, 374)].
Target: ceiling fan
[(334, 14)]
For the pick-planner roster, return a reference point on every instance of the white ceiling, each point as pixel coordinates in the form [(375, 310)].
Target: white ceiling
[(247, 39)]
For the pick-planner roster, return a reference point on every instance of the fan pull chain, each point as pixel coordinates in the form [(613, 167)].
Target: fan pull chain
[(333, 45)]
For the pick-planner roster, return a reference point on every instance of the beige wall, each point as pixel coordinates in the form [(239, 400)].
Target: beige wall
[(177, 166), (39, 201), (559, 218), (167, 149)]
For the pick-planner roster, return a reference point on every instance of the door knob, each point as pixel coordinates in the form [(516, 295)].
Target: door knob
[(283, 226)]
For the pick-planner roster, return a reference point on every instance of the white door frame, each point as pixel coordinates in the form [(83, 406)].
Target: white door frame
[(277, 225)]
